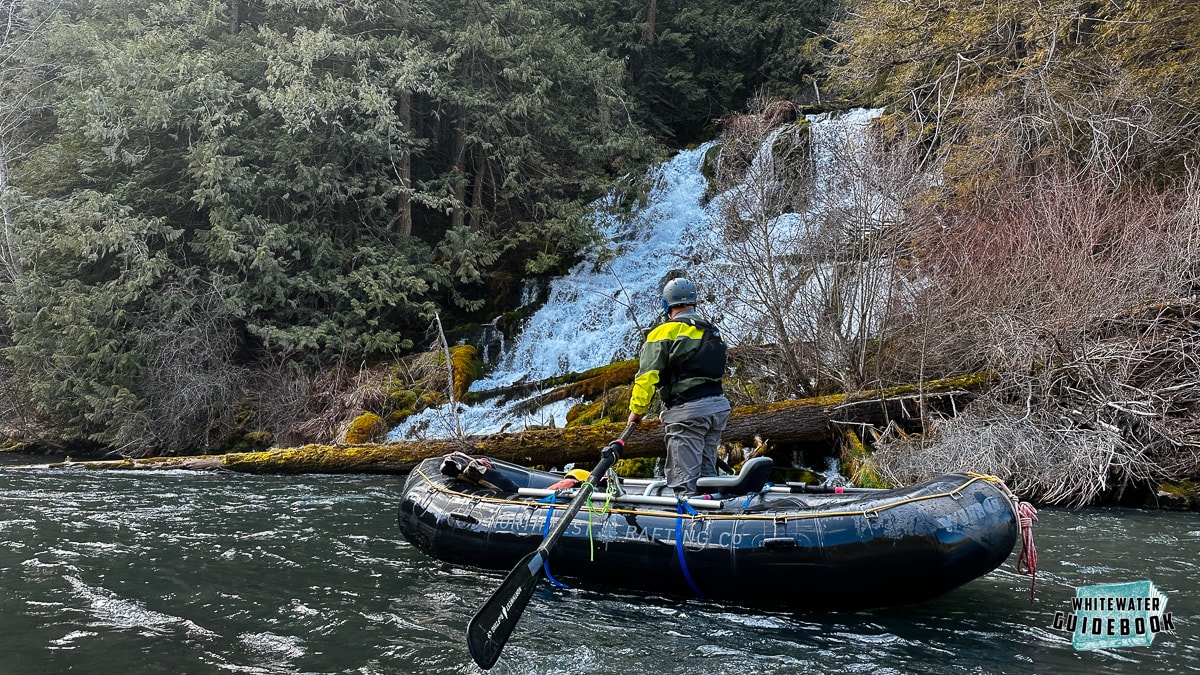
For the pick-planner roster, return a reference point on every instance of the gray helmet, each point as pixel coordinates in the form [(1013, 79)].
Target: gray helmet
[(678, 292)]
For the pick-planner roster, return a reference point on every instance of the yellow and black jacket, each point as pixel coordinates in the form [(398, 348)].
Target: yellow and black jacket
[(685, 358)]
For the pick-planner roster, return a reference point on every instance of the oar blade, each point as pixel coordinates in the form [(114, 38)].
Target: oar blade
[(489, 629)]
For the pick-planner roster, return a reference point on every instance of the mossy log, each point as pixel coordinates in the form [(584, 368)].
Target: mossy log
[(597, 382), (817, 419), (591, 382), (783, 422), (587, 384)]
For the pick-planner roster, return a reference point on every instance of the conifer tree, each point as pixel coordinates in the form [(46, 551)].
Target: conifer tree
[(213, 186)]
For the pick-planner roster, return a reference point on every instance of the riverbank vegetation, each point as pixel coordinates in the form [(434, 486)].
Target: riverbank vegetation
[(229, 225), (1060, 237)]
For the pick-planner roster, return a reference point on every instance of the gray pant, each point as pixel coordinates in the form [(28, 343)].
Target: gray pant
[(693, 431)]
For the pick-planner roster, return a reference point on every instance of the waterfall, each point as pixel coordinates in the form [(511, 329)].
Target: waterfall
[(595, 313)]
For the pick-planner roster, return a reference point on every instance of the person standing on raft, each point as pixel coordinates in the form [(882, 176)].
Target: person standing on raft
[(684, 359)]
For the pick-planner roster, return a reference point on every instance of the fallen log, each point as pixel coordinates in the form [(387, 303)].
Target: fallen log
[(801, 420), (589, 383)]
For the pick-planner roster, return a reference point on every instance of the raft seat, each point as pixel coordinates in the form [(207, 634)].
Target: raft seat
[(655, 488), (753, 476)]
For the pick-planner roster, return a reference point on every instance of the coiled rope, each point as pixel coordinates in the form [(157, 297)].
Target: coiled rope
[(1027, 562), (1026, 514), (610, 493)]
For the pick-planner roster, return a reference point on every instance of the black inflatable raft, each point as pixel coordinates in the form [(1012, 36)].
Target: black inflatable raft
[(749, 542)]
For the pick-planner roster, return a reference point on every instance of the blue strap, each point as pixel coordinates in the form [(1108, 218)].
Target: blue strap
[(752, 495), (683, 505), (550, 499)]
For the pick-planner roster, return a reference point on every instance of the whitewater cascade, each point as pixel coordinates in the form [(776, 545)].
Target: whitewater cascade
[(595, 314)]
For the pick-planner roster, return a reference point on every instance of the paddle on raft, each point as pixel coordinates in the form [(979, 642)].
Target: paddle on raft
[(494, 622)]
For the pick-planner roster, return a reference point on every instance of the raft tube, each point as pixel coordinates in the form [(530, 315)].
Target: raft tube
[(769, 546)]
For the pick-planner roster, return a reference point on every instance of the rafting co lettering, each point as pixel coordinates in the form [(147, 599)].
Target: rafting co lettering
[(1115, 615), (969, 514)]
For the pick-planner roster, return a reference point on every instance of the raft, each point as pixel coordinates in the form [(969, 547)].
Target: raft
[(745, 541)]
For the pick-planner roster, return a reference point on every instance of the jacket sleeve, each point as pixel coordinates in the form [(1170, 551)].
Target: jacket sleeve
[(654, 360)]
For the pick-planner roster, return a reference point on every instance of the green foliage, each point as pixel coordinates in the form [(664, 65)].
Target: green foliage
[(691, 63), (203, 193), (551, 243), (465, 255)]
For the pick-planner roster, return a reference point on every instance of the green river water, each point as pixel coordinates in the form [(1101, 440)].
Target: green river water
[(174, 572)]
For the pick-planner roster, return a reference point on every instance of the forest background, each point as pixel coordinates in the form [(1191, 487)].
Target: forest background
[(218, 215)]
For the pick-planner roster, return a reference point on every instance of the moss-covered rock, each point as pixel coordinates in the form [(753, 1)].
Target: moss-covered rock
[(1182, 495), (403, 404), (612, 406), (366, 428), (251, 441), (465, 367), (637, 467), (430, 399)]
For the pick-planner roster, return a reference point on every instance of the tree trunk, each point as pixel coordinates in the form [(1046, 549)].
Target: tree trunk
[(477, 189), (651, 20), (460, 172), (403, 220), (233, 17), (803, 420)]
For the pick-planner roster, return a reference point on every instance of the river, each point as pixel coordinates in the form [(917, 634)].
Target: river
[(177, 572)]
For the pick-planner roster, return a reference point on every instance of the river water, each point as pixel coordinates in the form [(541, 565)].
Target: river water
[(177, 572)]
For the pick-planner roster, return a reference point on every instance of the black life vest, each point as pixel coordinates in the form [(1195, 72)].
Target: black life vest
[(699, 376)]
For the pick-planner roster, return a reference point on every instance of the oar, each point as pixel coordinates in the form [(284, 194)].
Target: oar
[(494, 622), (828, 489)]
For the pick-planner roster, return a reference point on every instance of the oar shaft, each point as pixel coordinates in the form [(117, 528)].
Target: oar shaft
[(823, 489), (629, 498)]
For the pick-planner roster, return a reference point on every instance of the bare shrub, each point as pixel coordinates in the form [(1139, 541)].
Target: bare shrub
[(1077, 296), (189, 384), (778, 113), (336, 395), (342, 392), (1029, 452), (277, 399), (1125, 411), (1030, 271), (810, 222)]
